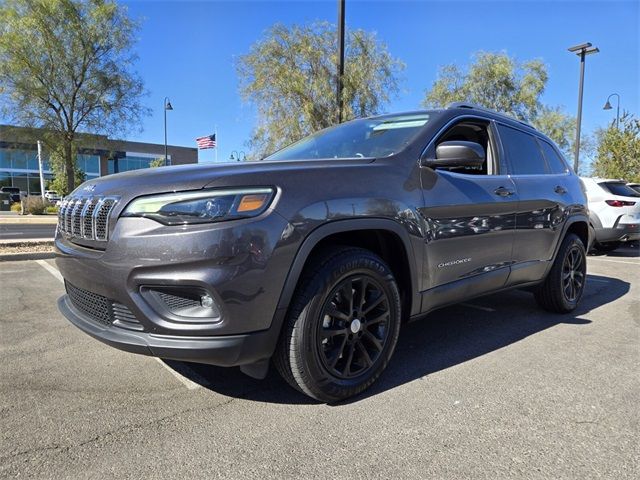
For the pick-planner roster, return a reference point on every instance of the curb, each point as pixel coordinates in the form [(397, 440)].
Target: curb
[(29, 219), (27, 242), (14, 257)]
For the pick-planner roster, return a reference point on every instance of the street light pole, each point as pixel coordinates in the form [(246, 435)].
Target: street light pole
[(607, 106), (167, 106), (582, 51), (340, 58)]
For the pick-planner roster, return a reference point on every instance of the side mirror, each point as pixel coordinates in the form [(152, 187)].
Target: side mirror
[(457, 153)]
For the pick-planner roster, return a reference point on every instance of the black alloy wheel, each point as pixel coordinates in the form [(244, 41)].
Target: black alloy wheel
[(564, 285), (342, 326), (354, 327), (573, 274)]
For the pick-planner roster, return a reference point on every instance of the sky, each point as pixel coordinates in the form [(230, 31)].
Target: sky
[(188, 50)]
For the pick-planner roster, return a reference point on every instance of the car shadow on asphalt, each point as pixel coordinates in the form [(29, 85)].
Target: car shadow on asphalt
[(630, 250), (443, 339)]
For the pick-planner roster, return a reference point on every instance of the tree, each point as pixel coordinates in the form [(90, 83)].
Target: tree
[(66, 67), (59, 182), (290, 76), (499, 82), (157, 162), (618, 150)]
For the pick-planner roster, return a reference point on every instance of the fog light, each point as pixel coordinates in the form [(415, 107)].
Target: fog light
[(206, 301)]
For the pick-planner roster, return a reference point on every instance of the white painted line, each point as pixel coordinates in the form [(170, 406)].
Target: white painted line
[(479, 307), (52, 270), (596, 280), (613, 261), (184, 380)]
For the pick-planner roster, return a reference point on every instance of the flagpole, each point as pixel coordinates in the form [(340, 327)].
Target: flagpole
[(216, 132)]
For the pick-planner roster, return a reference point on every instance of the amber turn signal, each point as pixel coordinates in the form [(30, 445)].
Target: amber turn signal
[(250, 203)]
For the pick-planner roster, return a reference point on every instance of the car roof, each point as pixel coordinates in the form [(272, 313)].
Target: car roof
[(466, 108)]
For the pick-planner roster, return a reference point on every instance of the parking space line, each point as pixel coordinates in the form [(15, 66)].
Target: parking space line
[(612, 261), (184, 380), (598, 280), (52, 270), (478, 307)]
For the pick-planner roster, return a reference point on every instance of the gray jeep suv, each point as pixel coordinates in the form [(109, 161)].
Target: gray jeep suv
[(315, 256)]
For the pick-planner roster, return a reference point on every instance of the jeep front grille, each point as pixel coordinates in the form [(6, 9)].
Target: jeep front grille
[(86, 217)]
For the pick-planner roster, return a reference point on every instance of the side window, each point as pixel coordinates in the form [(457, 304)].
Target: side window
[(556, 163), (472, 131), (522, 151)]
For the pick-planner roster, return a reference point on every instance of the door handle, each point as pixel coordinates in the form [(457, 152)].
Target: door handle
[(503, 192), (560, 190)]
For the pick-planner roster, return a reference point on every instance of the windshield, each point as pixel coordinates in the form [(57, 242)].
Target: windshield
[(369, 137)]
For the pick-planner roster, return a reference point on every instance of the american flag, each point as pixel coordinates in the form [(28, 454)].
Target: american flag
[(208, 141)]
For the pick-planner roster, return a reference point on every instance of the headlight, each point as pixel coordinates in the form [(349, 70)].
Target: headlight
[(201, 206)]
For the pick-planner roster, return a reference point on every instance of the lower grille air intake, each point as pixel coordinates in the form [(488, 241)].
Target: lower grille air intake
[(101, 309)]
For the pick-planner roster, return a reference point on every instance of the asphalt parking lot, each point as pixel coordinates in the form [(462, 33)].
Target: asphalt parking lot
[(494, 388)]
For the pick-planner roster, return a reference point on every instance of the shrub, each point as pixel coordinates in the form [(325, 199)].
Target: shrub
[(35, 205), (51, 209), (16, 207)]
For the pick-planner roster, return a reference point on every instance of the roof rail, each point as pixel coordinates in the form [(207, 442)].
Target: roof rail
[(485, 109)]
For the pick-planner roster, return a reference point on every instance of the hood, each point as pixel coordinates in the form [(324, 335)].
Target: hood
[(148, 181)]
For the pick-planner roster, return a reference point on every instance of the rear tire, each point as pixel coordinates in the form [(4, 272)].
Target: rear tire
[(342, 326), (606, 246), (562, 289)]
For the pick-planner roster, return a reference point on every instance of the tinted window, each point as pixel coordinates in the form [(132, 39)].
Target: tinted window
[(368, 137), (619, 188), (556, 164), (522, 151)]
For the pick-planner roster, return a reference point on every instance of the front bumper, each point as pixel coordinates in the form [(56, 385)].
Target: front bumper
[(239, 264), (224, 351)]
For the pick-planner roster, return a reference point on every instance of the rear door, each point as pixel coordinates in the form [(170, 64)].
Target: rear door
[(545, 194)]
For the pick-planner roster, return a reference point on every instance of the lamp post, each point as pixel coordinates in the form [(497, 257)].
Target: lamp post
[(340, 58), (167, 106), (240, 156), (607, 106), (582, 51)]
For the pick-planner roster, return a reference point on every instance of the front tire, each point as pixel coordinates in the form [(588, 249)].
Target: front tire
[(562, 289), (342, 326)]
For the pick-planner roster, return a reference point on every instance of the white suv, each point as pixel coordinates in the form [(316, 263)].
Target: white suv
[(614, 212)]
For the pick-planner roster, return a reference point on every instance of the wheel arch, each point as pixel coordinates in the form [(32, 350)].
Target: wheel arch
[(384, 237)]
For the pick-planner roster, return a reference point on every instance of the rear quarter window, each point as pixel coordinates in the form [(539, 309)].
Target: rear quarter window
[(522, 151), (555, 161)]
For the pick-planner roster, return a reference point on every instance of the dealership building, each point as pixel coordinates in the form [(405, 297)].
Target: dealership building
[(98, 156)]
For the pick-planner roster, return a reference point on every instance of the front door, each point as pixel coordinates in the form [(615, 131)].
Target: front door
[(469, 220)]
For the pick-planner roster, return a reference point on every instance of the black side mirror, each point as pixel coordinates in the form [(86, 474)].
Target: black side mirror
[(457, 153)]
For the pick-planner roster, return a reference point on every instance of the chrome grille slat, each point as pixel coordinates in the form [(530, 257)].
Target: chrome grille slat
[(83, 219), (67, 215), (75, 217), (86, 217), (101, 216)]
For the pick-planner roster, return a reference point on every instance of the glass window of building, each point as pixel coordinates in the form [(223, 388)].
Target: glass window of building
[(5, 179), (5, 158), (19, 159)]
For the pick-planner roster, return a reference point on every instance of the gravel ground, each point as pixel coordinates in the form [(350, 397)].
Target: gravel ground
[(26, 247)]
